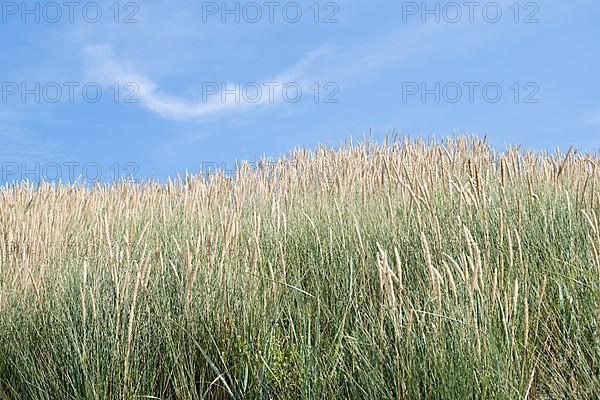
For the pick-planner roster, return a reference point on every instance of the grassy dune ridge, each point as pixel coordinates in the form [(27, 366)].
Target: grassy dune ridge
[(400, 269)]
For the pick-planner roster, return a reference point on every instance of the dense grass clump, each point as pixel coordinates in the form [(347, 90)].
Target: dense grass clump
[(403, 269)]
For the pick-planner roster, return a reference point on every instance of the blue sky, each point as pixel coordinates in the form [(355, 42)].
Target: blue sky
[(370, 61)]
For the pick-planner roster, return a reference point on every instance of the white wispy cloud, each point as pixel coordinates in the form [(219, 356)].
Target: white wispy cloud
[(103, 66), (396, 45)]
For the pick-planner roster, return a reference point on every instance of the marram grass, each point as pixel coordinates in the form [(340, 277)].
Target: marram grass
[(395, 270)]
